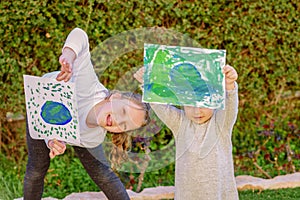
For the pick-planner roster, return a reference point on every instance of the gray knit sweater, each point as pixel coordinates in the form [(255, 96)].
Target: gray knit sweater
[(204, 164)]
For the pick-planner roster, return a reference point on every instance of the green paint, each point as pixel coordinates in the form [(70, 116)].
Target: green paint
[(184, 76)]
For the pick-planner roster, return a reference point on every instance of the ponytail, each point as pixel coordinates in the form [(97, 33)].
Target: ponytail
[(121, 144)]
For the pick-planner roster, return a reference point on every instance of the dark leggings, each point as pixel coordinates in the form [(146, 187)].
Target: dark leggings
[(93, 160)]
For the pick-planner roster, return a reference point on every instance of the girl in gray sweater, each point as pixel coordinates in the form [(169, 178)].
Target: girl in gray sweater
[(204, 164)]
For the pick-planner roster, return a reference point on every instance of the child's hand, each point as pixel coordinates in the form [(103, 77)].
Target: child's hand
[(139, 75), (56, 148), (66, 61), (230, 76)]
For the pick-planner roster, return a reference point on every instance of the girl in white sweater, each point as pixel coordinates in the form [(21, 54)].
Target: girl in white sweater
[(99, 111)]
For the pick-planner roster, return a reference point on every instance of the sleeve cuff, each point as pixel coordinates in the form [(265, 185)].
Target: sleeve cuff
[(47, 141), (233, 90)]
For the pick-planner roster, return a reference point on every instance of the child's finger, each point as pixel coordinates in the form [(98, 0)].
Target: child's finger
[(56, 151), (142, 69), (51, 154), (50, 144), (70, 68), (61, 76), (231, 75), (68, 77), (226, 68), (61, 59), (65, 63), (139, 75), (59, 146), (67, 67)]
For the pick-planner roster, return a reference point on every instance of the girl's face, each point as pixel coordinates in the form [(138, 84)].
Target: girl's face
[(198, 115), (120, 115)]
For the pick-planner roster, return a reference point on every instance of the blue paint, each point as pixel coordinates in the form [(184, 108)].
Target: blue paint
[(186, 77), (55, 113)]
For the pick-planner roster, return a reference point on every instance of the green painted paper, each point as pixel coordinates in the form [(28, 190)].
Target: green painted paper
[(184, 76)]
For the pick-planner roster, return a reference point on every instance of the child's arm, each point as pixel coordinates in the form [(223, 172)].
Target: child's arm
[(76, 45), (170, 115), (227, 117), (74, 61)]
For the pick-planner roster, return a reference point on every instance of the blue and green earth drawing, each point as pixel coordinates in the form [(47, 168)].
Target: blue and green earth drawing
[(51, 109), (184, 76), (55, 113)]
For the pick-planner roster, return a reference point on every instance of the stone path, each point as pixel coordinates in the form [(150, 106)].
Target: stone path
[(243, 182)]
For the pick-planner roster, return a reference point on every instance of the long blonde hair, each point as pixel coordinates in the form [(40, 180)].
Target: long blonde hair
[(122, 141)]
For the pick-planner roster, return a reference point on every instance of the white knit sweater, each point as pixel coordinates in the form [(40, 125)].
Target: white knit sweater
[(89, 91), (204, 164)]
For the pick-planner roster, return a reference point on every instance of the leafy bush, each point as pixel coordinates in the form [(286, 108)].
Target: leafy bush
[(276, 151)]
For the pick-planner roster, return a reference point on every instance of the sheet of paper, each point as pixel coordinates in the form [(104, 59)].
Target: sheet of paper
[(184, 76), (51, 108)]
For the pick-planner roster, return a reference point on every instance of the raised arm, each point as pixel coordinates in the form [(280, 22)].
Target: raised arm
[(76, 45), (169, 115), (226, 118)]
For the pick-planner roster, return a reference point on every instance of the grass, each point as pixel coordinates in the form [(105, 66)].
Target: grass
[(10, 181), (282, 194), (60, 182)]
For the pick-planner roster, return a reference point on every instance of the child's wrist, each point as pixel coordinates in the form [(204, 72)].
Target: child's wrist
[(230, 86), (69, 53)]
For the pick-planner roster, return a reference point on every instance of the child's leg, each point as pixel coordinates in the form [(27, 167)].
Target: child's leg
[(97, 167), (37, 166)]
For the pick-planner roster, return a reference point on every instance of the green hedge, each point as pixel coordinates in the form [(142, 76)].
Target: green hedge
[(261, 39)]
